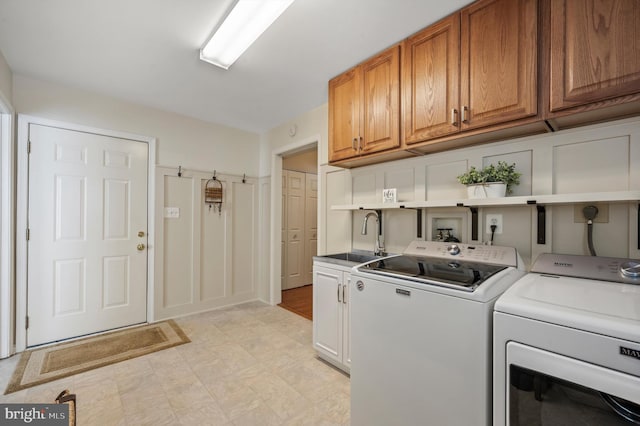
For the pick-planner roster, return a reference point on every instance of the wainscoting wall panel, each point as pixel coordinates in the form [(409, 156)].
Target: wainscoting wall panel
[(598, 158), (205, 258)]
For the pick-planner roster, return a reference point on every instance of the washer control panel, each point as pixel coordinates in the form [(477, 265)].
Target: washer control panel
[(496, 255), (591, 267)]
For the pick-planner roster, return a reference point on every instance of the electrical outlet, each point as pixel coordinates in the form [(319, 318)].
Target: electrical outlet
[(602, 217), (494, 219)]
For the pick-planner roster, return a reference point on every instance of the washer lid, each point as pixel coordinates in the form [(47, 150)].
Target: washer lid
[(452, 273), (608, 308)]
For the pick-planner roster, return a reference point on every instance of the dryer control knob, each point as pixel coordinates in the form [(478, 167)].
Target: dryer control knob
[(453, 249), (630, 269)]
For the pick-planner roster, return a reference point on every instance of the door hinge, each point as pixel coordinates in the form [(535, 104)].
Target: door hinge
[(29, 147), (26, 322), (28, 234)]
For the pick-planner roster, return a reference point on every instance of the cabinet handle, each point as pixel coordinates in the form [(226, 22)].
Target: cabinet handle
[(344, 300), (454, 116), (339, 293), (353, 144), (360, 147), (464, 114)]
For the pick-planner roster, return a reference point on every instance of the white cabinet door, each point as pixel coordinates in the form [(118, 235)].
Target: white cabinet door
[(331, 317), (327, 312), (346, 319)]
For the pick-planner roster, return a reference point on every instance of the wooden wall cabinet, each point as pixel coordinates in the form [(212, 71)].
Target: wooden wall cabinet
[(494, 70), (473, 69), (364, 107), (595, 53), (431, 81)]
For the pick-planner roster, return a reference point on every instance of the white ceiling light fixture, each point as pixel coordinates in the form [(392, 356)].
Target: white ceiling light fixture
[(243, 25)]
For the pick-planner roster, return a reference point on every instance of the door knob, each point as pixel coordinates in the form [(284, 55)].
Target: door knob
[(140, 234), (140, 247)]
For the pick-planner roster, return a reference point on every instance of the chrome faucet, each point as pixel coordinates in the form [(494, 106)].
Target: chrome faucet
[(378, 249)]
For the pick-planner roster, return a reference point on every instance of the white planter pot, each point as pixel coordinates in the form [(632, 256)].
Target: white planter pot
[(487, 190)]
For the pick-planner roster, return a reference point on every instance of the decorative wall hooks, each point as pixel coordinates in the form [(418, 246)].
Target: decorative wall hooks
[(213, 193)]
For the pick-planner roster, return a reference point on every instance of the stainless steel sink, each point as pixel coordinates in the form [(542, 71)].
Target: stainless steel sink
[(352, 258)]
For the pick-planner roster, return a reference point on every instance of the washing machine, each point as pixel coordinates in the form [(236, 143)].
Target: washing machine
[(421, 334), (567, 344)]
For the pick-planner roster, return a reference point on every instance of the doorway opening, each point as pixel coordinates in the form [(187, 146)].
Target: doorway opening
[(294, 233), (299, 230)]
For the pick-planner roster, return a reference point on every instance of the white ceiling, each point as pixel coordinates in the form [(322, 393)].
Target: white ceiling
[(146, 51)]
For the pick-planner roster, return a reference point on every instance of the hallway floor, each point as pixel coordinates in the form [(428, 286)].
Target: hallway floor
[(251, 364), (299, 301)]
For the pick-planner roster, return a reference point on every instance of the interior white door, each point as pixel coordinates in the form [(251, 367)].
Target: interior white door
[(311, 224), (87, 260), (295, 264), (283, 245)]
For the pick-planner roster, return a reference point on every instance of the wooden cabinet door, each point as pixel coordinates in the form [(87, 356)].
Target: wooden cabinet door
[(380, 112), (344, 115), (430, 81), (498, 72), (595, 51)]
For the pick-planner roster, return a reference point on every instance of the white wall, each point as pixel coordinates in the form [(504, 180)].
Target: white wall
[(185, 141), (592, 159), (310, 125), (205, 258), (6, 81)]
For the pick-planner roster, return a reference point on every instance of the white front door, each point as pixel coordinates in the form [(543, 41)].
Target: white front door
[(87, 220)]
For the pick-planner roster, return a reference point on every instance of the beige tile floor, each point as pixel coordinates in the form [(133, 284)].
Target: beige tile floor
[(251, 364)]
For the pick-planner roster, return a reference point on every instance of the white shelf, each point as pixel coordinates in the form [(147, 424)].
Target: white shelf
[(607, 197)]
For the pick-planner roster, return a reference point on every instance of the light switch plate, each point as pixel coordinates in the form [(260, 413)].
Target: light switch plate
[(172, 212)]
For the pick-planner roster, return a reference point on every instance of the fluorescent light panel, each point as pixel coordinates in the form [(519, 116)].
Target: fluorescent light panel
[(244, 24)]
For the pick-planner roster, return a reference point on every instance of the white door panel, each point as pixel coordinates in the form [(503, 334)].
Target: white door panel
[(295, 204), (283, 245), (87, 206), (311, 224)]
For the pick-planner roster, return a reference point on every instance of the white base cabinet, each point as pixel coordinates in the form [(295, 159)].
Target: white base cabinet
[(331, 320)]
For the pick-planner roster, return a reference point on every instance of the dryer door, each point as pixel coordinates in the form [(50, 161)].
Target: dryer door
[(549, 389)]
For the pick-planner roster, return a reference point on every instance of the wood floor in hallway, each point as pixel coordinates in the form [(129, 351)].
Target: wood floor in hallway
[(299, 300)]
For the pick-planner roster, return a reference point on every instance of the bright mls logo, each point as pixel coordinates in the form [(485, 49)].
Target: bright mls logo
[(34, 414)]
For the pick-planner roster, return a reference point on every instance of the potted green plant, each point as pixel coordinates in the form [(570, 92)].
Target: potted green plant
[(491, 181)]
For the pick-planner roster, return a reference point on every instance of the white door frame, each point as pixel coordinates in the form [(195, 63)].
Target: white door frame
[(6, 228), (22, 213), (275, 294)]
